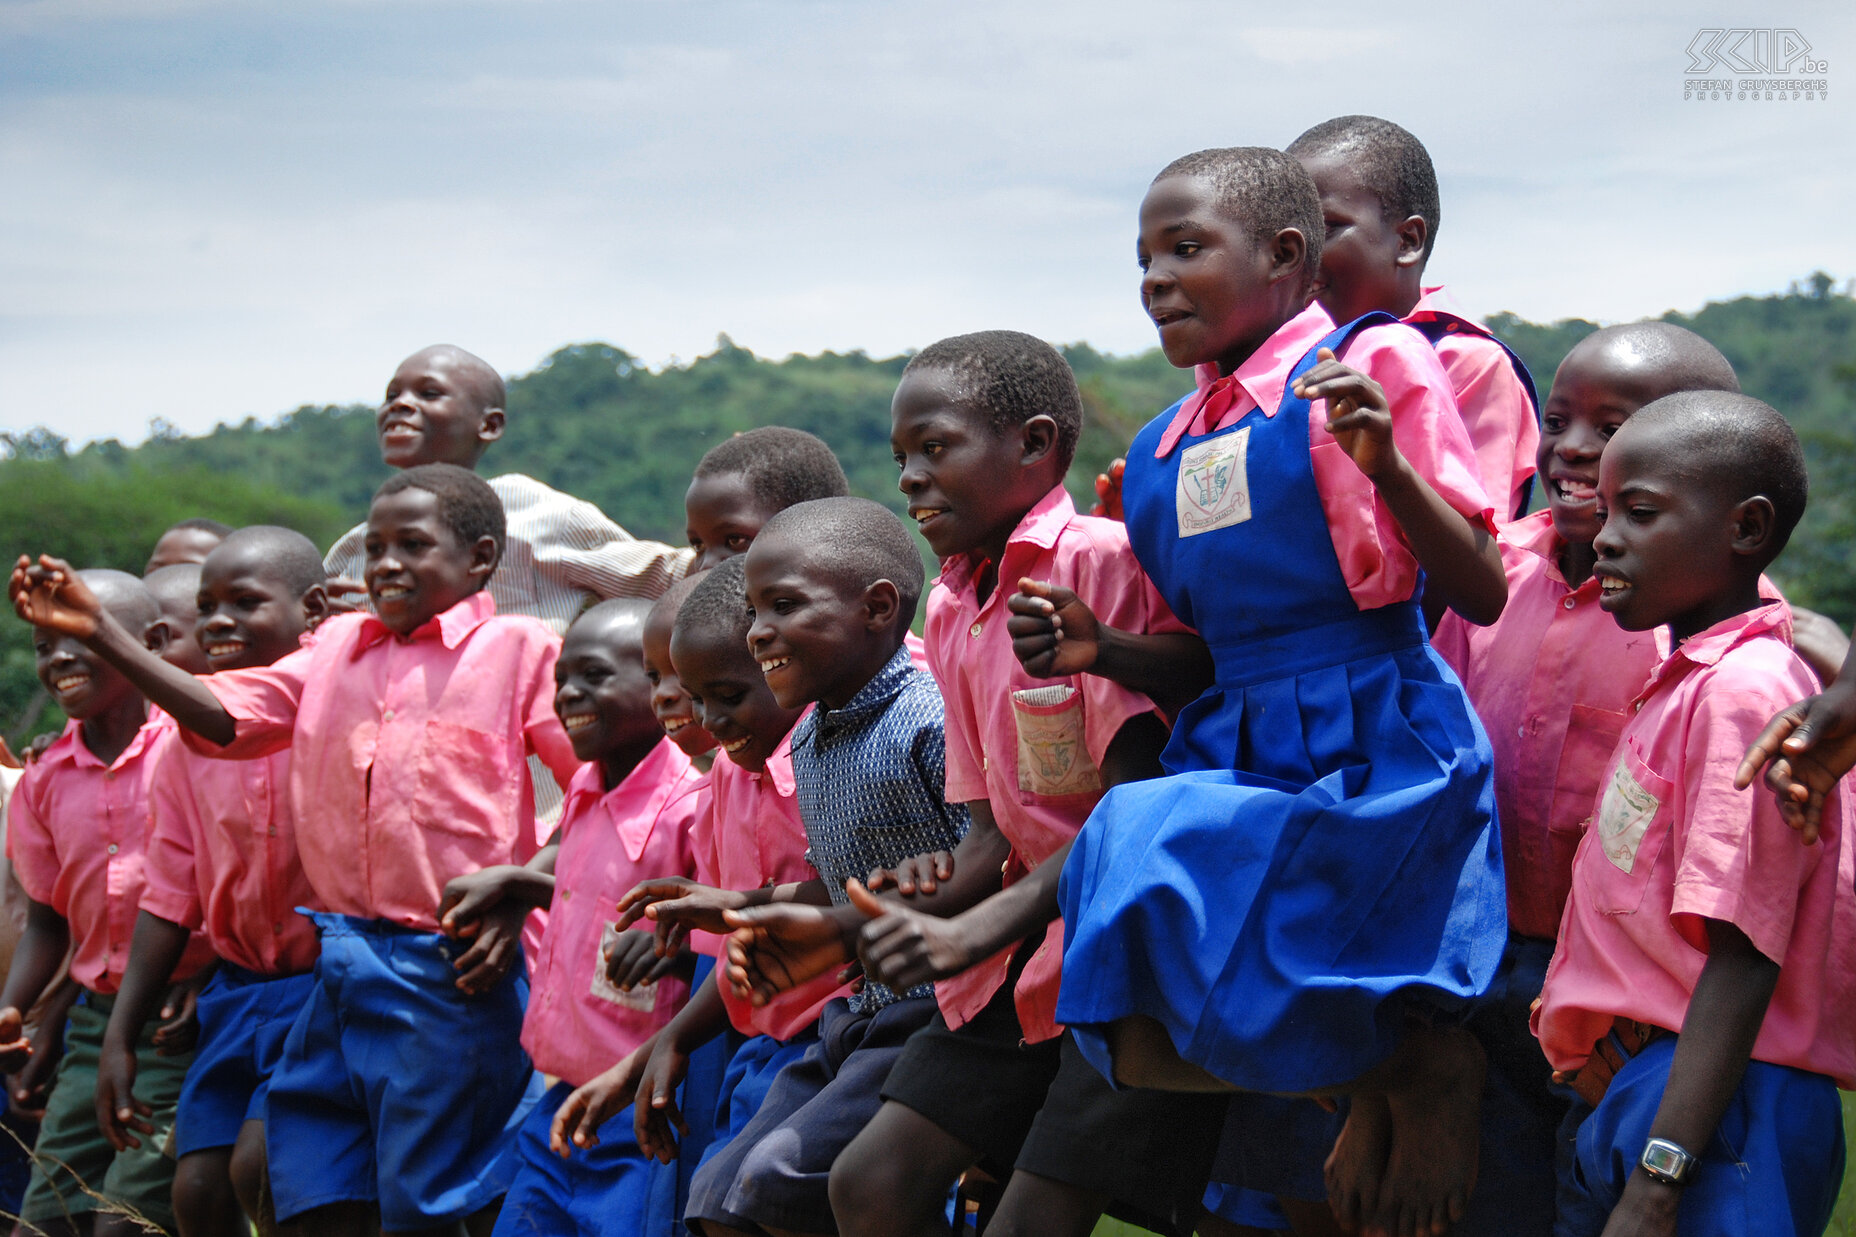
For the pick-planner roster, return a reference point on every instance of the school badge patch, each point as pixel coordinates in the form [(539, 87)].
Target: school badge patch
[(1214, 489), (1624, 816)]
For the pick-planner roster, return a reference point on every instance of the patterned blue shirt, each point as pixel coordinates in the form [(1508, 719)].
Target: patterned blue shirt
[(871, 779)]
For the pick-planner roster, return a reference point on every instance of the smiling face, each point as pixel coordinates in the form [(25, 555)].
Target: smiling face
[(601, 694), (1596, 389), (1368, 261), (1214, 293), (968, 486), (814, 637), (669, 702), (78, 681), (725, 515), (731, 696), (1672, 546), (416, 567), (246, 616), (176, 591), (435, 412)]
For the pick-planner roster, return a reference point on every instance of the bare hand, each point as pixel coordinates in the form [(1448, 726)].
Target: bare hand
[(1054, 635), (33, 1084), (778, 946), (917, 874), (7, 759), (1646, 1209), (469, 897), (634, 960), (179, 1029), (1806, 750), (1108, 491), (677, 905), (15, 1048), (1358, 415), (53, 596), (655, 1113), (577, 1120), (902, 947), (496, 943), (119, 1114)]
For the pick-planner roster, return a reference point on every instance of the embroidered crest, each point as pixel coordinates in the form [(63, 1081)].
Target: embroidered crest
[(1624, 816), (1214, 488)]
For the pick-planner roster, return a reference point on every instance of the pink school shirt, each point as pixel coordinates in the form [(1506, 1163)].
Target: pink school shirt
[(76, 833), (1552, 681), (578, 1024), (1673, 844), (1490, 398), (409, 756), (222, 857), (1375, 559), (1035, 759), (753, 838)]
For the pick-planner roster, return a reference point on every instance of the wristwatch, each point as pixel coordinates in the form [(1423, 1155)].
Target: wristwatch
[(1667, 1162)]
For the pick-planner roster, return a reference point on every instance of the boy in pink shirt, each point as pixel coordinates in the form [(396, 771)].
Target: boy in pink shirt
[(410, 730), (222, 861), (1552, 681), (77, 828), (1379, 200), (1700, 996), (627, 817)]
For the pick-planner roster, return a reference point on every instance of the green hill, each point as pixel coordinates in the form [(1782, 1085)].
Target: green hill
[(595, 422)]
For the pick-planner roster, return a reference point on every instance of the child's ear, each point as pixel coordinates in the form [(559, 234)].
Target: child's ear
[(491, 427), (483, 556), (1288, 251), (1755, 520), (315, 603), (1411, 237), (882, 605), (1039, 436), (158, 635)]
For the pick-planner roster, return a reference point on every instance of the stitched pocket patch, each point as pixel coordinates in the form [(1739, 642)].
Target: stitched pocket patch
[(1624, 816), (1053, 756)]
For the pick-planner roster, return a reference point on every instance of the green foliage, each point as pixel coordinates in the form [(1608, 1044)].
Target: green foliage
[(593, 421)]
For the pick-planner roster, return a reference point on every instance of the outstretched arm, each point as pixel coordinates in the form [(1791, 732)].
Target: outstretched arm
[(1055, 635), (1462, 564), (1806, 750), (51, 595)]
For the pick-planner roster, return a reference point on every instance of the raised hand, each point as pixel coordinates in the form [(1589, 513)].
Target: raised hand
[(1805, 751), (1054, 635), (917, 874), (50, 594), (1358, 415), (1108, 491)]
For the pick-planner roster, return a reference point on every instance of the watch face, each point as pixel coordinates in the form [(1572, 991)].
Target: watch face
[(1664, 1159)]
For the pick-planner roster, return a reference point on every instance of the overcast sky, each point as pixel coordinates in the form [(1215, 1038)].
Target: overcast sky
[(214, 210)]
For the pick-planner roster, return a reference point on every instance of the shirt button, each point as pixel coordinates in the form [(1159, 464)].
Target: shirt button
[(387, 716), (1568, 603), (976, 629), (109, 775), (1520, 732), (112, 848)]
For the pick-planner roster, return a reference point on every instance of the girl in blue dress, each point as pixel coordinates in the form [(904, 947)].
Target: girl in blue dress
[(1301, 906)]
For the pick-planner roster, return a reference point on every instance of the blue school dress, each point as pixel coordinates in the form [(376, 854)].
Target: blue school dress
[(1324, 850)]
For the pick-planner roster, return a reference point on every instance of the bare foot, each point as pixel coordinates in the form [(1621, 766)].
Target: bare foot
[(1356, 1167), (1144, 1056), (1436, 1129)]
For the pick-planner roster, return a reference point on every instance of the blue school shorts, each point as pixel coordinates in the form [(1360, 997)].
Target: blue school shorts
[(1773, 1167), (395, 1088), (600, 1191), (244, 1020), (700, 1099), (776, 1172)]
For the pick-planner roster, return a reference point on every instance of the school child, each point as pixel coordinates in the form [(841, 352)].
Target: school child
[(1552, 681), (745, 480), (77, 828), (189, 541), (445, 406), (1700, 995), (1380, 204), (672, 706), (1317, 888), (751, 838), (176, 591), (627, 817), (985, 426), (222, 861), (409, 729)]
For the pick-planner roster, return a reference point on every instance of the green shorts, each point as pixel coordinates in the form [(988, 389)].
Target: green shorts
[(73, 1163)]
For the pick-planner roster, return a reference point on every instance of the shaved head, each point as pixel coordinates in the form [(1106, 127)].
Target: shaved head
[(617, 618), (1735, 445), (279, 553), (1666, 358), (124, 596), (477, 374)]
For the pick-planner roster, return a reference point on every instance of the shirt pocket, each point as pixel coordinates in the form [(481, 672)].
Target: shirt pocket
[(1585, 762), (1631, 826), (467, 783), (1053, 747)]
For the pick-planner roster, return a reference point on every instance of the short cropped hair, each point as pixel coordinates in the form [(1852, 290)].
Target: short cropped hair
[(1009, 377), (674, 597), (855, 541), (466, 503), (1390, 162), (781, 466), (718, 605), (626, 613), (1741, 446), (1265, 190), (200, 524), (478, 374), (175, 587), (1675, 357), (289, 557), (124, 596)]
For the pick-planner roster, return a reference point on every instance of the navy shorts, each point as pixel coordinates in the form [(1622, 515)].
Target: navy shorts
[(1773, 1167), (600, 1191), (395, 1088), (244, 1019), (777, 1171)]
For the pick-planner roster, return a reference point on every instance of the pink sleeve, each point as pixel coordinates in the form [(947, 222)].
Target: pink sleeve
[(170, 883), (1496, 412), (29, 842), (263, 703), (1736, 860), (1374, 557)]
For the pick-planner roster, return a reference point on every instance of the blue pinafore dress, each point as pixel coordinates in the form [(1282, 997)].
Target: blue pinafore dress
[(1323, 849)]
